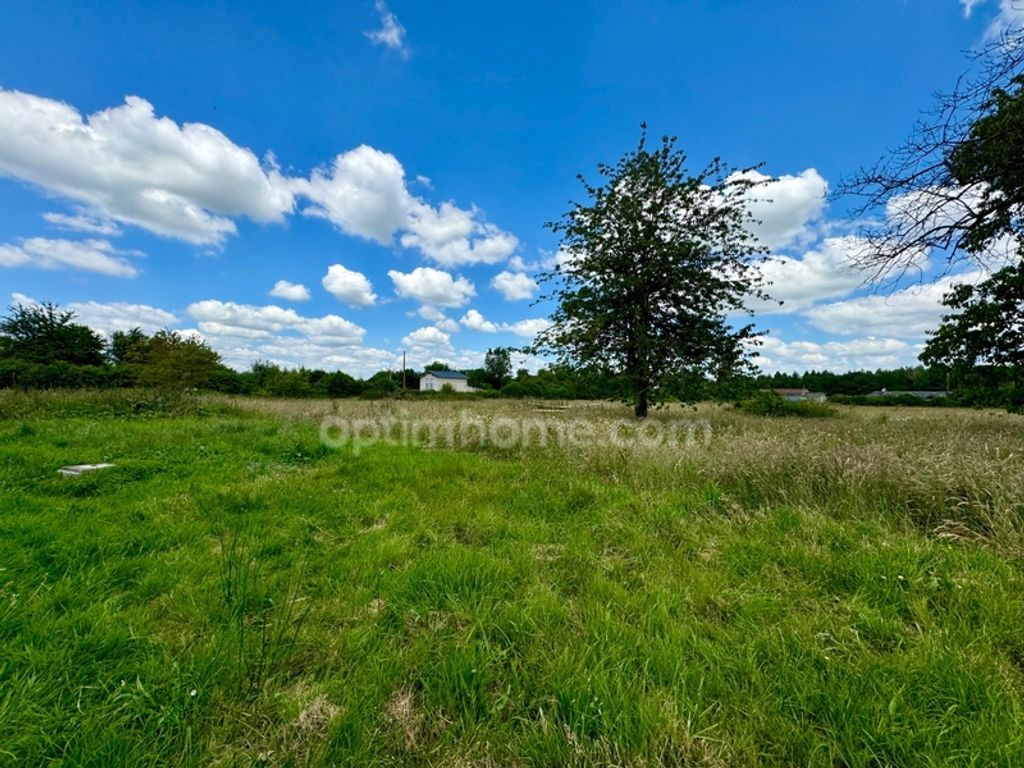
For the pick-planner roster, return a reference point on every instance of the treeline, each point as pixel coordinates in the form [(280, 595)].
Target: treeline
[(860, 382), (976, 386), (41, 347)]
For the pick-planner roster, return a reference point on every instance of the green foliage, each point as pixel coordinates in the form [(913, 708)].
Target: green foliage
[(858, 382), (986, 326), (21, 374), (514, 389), (768, 403), (128, 346), (340, 384), (383, 384), (989, 160), (985, 331), (654, 264), (43, 334), (497, 366), (170, 360)]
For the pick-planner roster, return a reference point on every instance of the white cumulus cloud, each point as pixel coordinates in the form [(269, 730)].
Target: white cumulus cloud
[(364, 193), (823, 272), (427, 312), (113, 316), (227, 318), (428, 336), (1010, 15), (86, 255), (122, 316), (514, 285), (432, 287), (909, 313), (349, 286), (452, 236), (788, 206), (477, 322), (291, 291), (868, 353), (126, 164), (526, 328)]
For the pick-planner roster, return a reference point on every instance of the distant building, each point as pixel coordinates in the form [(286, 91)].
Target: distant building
[(796, 394), (924, 394), (433, 381)]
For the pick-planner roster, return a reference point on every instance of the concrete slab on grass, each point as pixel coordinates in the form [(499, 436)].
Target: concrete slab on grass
[(74, 470)]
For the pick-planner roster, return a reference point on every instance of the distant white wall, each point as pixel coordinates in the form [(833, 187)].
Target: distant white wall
[(430, 383)]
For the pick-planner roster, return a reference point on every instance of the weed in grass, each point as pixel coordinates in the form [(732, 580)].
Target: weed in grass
[(262, 630)]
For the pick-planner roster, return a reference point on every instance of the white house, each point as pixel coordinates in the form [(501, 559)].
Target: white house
[(433, 381)]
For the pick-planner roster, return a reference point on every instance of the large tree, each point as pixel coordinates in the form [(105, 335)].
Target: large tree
[(44, 333), (650, 269), (985, 331), (498, 366), (956, 185), (167, 359)]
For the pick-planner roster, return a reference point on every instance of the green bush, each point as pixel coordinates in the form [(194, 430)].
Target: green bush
[(513, 389), (23, 374), (768, 403)]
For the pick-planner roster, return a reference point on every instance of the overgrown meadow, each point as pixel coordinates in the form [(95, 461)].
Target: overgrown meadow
[(843, 591)]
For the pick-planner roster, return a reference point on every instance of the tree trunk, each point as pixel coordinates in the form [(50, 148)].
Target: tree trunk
[(640, 408)]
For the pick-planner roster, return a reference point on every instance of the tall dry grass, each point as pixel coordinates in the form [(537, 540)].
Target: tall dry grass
[(954, 473)]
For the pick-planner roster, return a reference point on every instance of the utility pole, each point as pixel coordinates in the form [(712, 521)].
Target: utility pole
[(403, 370)]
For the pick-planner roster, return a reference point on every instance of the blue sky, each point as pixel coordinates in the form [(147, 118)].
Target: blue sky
[(327, 184)]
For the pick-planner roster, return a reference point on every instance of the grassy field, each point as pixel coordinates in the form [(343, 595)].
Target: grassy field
[(836, 592)]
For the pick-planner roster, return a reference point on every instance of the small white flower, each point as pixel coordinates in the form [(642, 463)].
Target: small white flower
[(193, 692)]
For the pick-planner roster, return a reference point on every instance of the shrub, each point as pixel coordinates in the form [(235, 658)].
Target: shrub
[(768, 403), (513, 389)]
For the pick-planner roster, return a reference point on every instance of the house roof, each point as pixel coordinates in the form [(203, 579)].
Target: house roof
[(446, 374), (914, 392), (791, 391)]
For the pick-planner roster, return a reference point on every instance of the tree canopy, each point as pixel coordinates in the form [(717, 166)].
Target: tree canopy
[(170, 359), (957, 184), (984, 331), (498, 366), (650, 269), (991, 159), (43, 334)]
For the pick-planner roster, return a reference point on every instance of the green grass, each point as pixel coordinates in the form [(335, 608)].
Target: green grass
[(234, 593)]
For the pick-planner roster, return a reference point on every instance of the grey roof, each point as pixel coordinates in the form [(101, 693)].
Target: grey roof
[(446, 374), (925, 393)]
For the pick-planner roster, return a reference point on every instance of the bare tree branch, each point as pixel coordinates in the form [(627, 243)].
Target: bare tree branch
[(913, 200)]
